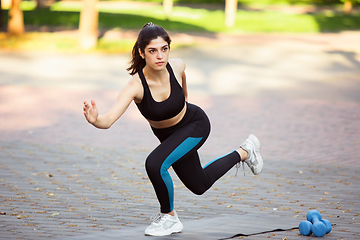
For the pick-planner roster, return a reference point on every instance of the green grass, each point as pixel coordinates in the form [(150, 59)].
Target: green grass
[(263, 3), (183, 19), (259, 3), (38, 41)]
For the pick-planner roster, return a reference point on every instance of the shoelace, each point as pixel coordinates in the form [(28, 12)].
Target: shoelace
[(156, 218), (242, 162), (238, 165)]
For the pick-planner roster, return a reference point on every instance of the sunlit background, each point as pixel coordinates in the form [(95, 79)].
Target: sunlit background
[(72, 51), (232, 48), (51, 25)]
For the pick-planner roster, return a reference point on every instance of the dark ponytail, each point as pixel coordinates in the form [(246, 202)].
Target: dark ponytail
[(148, 32)]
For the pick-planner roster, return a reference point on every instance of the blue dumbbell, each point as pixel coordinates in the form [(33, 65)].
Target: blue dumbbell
[(327, 224), (305, 228), (318, 227)]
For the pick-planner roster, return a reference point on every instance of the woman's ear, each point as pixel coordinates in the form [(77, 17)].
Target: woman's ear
[(141, 54)]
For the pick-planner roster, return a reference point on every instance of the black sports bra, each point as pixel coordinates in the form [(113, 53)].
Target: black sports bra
[(170, 107)]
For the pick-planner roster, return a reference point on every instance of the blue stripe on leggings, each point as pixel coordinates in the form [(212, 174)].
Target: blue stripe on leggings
[(175, 155), (217, 159)]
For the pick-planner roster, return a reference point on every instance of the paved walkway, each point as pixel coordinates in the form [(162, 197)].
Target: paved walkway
[(300, 94)]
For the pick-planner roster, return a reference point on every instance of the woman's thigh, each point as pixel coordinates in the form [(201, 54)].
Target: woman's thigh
[(191, 173)]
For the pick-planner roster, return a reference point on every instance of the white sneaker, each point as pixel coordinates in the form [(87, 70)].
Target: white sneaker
[(164, 224), (254, 159)]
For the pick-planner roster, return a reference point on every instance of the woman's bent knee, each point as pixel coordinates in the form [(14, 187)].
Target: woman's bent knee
[(198, 191), (151, 166)]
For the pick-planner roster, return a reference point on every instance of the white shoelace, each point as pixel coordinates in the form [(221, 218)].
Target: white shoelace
[(238, 165), (156, 218)]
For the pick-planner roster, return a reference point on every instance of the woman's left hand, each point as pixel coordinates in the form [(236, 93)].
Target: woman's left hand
[(90, 112)]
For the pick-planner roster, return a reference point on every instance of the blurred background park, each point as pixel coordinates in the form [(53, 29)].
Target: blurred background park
[(105, 26)]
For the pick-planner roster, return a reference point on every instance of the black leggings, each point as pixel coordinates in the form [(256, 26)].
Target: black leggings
[(178, 148)]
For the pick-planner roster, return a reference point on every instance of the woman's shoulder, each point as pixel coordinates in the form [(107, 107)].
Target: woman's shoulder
[(177, 65), (135, 81), (134, 84), (135, 88)]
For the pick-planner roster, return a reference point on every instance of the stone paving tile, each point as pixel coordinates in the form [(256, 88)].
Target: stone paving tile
[(79, 201)]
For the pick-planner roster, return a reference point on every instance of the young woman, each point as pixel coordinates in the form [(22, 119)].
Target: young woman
[(158, 87)]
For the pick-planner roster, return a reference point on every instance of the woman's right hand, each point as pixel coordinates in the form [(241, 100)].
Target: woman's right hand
[(90, 112)]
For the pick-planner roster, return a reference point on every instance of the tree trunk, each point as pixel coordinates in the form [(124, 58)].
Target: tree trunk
[(230, 12), (88, 26), (0, 16), (168, 6), (40, 3), (347, 7), (16, 19)]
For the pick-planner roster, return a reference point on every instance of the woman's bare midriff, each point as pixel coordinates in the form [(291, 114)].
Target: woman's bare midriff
[(169, 122)]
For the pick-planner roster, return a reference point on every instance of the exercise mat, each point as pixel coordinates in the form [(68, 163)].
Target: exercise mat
[(221, 227)]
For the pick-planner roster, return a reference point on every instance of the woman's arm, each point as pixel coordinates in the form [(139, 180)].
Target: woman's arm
[(133, 90), (184, 86), (178, 66)]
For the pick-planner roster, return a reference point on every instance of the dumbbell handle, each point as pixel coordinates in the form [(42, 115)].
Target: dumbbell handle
[(315, 220)]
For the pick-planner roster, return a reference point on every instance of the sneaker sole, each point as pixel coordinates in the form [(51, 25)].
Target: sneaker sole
[(175, 229)]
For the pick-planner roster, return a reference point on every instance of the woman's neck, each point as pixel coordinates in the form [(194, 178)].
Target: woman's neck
[(155, 75)]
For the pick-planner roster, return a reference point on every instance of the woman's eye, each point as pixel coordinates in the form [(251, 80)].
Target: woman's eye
[(152, 51), (165, 49)]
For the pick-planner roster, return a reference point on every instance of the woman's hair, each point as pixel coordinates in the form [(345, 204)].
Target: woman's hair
[(149, 32)]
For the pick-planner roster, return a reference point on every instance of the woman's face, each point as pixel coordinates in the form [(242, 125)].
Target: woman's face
[(156, 54)]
